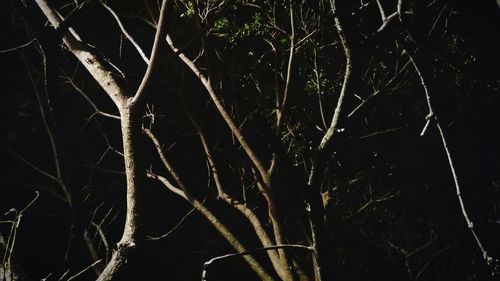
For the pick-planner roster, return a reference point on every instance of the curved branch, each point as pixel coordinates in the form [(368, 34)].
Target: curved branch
[(161, 32), (212, 260)]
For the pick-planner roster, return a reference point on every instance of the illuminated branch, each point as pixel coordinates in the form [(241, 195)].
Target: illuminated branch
[(315, 202), (432, 117), (264, 182), (161, 31), (102, 72), (216, 223), (212, 260), (225, 115), (125, 32), (250, 215)]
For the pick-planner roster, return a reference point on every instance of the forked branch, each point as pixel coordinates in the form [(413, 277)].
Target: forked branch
[(100, 69), (182, 191), (264, 180), (315, 202), (283, 271)]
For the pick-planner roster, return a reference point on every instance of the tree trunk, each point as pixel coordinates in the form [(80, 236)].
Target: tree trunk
[(120, 268)]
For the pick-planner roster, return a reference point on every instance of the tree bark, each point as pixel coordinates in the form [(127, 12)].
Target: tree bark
[(118, 268)]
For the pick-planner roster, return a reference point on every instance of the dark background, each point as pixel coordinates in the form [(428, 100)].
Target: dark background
[(400, 162)]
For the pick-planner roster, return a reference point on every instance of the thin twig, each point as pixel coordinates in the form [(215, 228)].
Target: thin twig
[(363, 102), (489, 259), (434, 255), (250, 252), (18, 47), (318, 88), (33, 166), (150, 12), (381, 132), (125, 32), (282, 104), (48, 121), (11, 241), (87, 98), (85, 269), (176, 226), (372, 201), (64, 275)]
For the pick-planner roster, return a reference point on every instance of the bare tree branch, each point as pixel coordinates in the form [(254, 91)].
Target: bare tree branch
[(17, 47), (125, 32), (6, 267), (387, 19), (101, 70), (315, 201), (84, 270), (218, 225), (225, 115), (279, 110), (34, 167), (431, 115), (326, 140), (89, 100), (253, 219), (176, 226), (264, 179), (154, 63), (212, 260)]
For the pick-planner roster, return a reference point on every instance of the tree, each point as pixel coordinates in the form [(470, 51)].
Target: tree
[(294, 128)]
